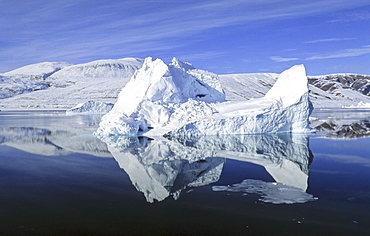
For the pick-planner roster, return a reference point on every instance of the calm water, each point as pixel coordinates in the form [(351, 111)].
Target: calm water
[(56, 178)]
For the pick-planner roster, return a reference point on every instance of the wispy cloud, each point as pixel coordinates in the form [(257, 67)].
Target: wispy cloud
[(352, 17), (352, 52), (283, 59), (73, 29), (329, 40)]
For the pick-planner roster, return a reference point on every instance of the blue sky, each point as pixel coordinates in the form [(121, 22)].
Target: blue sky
[(222, 36)]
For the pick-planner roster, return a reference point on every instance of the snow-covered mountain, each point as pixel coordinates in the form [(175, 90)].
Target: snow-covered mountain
[(68, 85), (38, 71), (343, 89), (330, 91), (333, 83), (64, 85), (119, 68)]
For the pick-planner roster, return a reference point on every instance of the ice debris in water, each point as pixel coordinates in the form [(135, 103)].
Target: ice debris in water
[(276, 193), (90, 107)]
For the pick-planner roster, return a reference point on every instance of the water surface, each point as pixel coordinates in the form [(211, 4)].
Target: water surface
[(56, 178)]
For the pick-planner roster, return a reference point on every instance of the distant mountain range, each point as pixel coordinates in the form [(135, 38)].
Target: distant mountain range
[(63, 85)]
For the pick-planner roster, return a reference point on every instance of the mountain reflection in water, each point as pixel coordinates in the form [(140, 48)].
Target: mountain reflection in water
[(163, 167), (335, 129), (341, 123)]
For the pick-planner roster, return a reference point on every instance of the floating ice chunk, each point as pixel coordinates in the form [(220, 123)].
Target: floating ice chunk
[(272, 192), (361, 104), (90, 107)]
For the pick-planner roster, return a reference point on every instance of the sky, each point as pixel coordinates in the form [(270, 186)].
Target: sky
[(221, 36)]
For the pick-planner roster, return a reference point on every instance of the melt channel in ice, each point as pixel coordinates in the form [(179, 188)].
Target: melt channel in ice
[(179, 100)]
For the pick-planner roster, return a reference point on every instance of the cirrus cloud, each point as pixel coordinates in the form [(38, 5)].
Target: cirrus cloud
[(283, 59), (352, 52)]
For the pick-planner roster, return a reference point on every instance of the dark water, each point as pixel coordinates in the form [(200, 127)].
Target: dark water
[(56, 178)]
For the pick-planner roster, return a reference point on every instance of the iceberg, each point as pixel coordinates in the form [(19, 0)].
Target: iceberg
[(179, 100), (90, 107)]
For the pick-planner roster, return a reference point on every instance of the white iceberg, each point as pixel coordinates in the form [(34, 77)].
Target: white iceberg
[(91, 107), (177, 100)]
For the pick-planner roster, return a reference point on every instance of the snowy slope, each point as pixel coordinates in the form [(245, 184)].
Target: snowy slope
[(10, 87), (38, 71), (343, 90), (119, 68), (247, 86), (335, 82)]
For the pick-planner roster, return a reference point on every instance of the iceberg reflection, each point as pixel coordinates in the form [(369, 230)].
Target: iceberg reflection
[(160, 168), (163, 167)]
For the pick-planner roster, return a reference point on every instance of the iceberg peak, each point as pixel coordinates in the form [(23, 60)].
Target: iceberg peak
[(179, 64), (161, 84), (290, 86)]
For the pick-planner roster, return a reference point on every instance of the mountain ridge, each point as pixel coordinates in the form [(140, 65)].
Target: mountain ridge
[(53, 85)]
